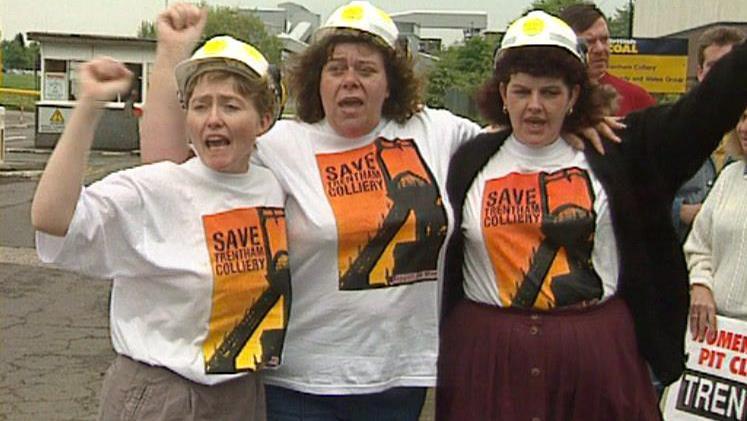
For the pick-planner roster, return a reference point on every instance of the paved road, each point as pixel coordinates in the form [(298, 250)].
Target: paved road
[(53, 324), (55, 340)]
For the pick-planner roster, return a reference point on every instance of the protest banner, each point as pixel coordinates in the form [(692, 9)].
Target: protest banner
[(714, 384)]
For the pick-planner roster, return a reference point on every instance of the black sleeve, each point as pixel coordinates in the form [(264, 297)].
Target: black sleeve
[(464, 165), (676, 139)]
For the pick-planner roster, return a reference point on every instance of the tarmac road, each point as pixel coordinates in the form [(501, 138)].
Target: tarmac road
[(55, 340), (53, 324)]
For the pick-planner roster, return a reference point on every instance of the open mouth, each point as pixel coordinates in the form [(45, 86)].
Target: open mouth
[(350, 102), (535, 123), (216, 142)]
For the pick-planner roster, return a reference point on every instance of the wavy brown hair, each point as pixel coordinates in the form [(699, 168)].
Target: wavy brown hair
[(305, 73), (542, 61)]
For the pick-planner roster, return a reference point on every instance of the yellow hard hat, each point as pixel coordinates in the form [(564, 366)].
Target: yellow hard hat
[(229, 54), (364, 17), (538, 28)]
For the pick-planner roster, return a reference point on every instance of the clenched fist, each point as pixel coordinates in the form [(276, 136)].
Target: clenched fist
[(102, 78), (180, 26)]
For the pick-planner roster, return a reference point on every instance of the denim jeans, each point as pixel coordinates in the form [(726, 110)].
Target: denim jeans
[(396, 404)]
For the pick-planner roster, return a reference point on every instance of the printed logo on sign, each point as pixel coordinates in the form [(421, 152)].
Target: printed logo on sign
[(390, 217), (550, 218), (714, 384), (251, 289)]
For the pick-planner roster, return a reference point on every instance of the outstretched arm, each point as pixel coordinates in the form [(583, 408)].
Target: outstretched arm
[(59, 187), (162, 131), (679, 137)]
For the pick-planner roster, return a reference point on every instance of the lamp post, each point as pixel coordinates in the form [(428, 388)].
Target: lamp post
[(630, 18)]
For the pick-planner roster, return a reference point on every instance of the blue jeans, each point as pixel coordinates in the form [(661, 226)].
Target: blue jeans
[(396, 404)]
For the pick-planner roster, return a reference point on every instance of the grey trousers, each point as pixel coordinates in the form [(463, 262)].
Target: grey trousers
[(136, 391)]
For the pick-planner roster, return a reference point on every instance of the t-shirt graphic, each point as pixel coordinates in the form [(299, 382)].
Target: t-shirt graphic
[(251, 289), (539, 232), (390, 217)]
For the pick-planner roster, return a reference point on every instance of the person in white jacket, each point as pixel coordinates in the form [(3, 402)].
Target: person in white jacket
[(715, 249)]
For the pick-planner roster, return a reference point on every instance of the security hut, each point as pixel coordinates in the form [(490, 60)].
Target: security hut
[(61, 54)]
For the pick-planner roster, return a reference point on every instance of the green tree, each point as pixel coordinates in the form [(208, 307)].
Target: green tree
[(240, 24), (243, 25), (552, 6), (16, 55), (147, 30), (464, 67), (619, 24)]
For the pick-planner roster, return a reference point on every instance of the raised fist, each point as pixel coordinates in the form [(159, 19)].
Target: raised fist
[(180, 26), (102, 78)]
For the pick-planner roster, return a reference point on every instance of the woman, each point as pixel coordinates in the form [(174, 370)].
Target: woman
[(366, 215), (717, 279), (197, 251), (565, 277), (364, 168)]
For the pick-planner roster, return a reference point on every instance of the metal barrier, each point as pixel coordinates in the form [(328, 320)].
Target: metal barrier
[(21, 92)]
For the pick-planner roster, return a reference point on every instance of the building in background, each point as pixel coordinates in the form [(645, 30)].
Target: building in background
[(61, 54)]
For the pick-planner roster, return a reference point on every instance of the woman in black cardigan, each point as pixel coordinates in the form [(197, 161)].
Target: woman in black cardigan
[(564, 279)]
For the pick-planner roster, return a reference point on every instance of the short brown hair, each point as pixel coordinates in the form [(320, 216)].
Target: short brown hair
[(542, 61), (581, 16), (305, 73), (718, 35), (255, 90)]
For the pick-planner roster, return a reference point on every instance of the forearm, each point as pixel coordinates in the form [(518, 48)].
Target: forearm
[(162, 129), (679, 137), (59, 187)]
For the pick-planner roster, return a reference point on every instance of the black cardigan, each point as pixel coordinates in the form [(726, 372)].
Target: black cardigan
[(662, 148)]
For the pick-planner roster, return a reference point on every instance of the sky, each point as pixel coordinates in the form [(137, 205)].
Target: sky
[(122, 17)]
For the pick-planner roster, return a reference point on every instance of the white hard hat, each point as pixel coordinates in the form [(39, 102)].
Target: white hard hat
[(538, 28), (362, 16), (229, 54)]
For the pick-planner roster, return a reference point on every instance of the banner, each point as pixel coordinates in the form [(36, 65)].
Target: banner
[(657, 65), (714, 384)]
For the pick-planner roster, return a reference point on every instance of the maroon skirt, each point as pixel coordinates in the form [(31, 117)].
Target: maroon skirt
[(565, 364)]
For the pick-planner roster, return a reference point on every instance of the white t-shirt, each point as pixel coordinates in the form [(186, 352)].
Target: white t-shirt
[(367, 219), (523, 217), (190, 251)]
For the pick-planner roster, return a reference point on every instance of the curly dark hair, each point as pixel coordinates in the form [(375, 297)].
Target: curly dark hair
[(542, 61), (305, 73)]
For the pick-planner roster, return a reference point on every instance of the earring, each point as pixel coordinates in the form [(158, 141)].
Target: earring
[(505, 109), (570, 110)]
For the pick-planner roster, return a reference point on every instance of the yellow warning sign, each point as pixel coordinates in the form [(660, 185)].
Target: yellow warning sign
[(57, 117)]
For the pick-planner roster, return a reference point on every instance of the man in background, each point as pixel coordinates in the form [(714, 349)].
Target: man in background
[(590, 24), (712, 45)]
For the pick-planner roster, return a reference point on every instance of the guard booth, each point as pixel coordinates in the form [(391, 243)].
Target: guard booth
[(61, 54)]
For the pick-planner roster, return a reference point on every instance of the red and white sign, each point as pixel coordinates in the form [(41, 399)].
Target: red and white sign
[(714, 384)]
